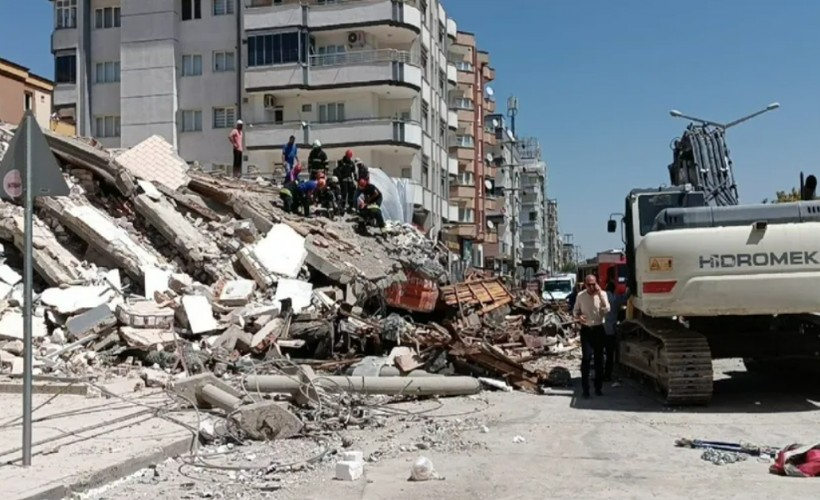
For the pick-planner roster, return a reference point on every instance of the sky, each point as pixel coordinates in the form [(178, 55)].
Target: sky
[(595, 80)]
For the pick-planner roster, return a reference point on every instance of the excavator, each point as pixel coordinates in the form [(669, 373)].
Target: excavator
[(710, 278)]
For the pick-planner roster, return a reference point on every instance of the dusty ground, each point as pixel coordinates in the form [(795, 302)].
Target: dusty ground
[(617, 446)]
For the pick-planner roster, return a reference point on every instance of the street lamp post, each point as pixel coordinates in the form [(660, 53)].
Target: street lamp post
[(723, 126)]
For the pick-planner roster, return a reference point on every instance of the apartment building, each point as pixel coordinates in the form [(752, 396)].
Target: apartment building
[(472, 183), (367, 75), (554, 250), (21, 91), (533, 206)]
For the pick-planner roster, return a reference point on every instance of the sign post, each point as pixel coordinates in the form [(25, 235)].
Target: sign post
[(28, 151)]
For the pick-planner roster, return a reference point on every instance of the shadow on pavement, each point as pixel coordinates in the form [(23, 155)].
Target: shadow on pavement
[(734, 392)]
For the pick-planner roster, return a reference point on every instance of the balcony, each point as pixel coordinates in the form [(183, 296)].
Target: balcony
[(488, 74), (452, 120), (489, 106), (366, 67), (463, 229), (64, 39), (452, 166), (452, 29), (374, 131), (64, 93), (262, 14), (462, 192), (465, 78), (452, 74)]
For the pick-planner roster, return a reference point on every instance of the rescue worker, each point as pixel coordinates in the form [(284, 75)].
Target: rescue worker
[(317, 160), (294, 172), (345, 171), (370, 204), (330, 197), (362, 171), (297, 194)]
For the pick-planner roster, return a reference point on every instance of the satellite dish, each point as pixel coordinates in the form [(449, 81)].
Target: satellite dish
[(489, 90), (495, 123), (488, 184), (490, 224), (488, 158)]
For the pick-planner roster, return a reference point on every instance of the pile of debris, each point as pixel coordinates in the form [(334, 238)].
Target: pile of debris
[(150, 263)]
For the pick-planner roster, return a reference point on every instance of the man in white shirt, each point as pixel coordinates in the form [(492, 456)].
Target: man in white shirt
[(591, 308)]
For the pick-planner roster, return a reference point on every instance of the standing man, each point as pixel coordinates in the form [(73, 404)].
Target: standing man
[(289, 152), (591, 307), (236, 141), (317, 161), (345, 171)]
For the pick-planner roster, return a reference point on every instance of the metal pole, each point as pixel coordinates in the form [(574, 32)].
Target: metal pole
[(27, 298)]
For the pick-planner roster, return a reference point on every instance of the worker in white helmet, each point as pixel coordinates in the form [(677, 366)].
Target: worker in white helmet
[(317, 161), (236, 137)]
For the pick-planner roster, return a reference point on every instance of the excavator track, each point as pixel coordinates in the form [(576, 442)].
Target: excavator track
[(676, 358)]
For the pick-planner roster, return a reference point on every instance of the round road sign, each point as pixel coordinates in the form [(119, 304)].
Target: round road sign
[(13, 183)]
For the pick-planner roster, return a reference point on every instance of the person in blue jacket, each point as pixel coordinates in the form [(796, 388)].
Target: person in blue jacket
[(297, 194)]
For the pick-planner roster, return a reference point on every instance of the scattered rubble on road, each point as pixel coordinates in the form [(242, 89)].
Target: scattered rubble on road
[(284, 325)]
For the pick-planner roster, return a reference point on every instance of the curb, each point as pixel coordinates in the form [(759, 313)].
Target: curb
[(112, 472)]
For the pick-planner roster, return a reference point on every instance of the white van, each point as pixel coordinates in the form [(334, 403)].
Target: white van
[(558, 287)]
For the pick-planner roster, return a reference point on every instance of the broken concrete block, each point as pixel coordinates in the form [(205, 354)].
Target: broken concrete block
[(154, 159), (156, 280), (5, 291), (145, 314), (9, 275), (236, 292), (245, 230), (300, 293), (11, 326), (73, 299), (146, 337), (199, 313), (180, 283), (280, 253), (349, 471), (15, 347), (150, 190), (96, 320), (155, 378), (271, 328)]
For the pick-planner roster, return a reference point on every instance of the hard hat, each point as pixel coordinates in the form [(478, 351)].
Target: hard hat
[(357, 161), (239, 122), (362, 183), (334, 180), (320, 183), (317, 144), (349, 154)]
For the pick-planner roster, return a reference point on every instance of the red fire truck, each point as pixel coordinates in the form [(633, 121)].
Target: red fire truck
[(608, 265)]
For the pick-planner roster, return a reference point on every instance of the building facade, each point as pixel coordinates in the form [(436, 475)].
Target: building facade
[(472, 174), (554, 248), (21, 91), (533, 207), (367, 75)]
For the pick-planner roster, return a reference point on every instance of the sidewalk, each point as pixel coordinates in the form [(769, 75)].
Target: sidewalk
[(81, 442)]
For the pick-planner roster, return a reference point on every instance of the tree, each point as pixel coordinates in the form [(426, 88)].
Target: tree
[(569, 267), (785, 196)]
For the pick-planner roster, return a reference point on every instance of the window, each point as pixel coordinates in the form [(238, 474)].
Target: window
[(424, 62), (463, 66), (326, 2), (407, 173), (191, 65), (465, 215), (264, 3), (278, 115), (191, 9), (224, 117), (307, 108), (224, 61), (332, 112), (442, 127), (107, 126), (533, 216), (463, 104), (423, 9), (425, 171), (466, 179), (191, 121), (442, 82), (65, 69), (108, 17), (424, 114), (441, 31), (28, 101), (107, 72), (281, 48), (65, 12), (223, 7), (465, 141), (329, 55)]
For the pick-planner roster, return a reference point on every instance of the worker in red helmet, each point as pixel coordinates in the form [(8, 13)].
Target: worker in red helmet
[(370, 204), (345, 171)]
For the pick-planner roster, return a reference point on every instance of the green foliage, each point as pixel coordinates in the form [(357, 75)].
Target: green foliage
[(569, 267)]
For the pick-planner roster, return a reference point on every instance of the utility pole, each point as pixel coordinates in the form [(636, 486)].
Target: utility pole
[(512, 111), (723, 126)]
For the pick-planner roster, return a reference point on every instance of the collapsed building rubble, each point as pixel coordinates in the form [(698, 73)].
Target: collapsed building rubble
[(150, 265)]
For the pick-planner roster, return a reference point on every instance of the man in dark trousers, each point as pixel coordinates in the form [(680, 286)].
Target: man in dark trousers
[(295, 195), (290, 154), (236, 138), (317, 161), (370, 204), (591, 308), (345, 171)]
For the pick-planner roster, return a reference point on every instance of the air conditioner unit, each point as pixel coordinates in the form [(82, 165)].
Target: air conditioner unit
[(356, 38), (270, 101)]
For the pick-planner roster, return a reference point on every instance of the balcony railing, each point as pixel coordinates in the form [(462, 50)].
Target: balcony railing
[(364, 57), (466, 104)]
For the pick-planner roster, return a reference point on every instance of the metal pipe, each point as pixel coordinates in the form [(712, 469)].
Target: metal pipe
[(218, 398), (416, 386), (28, 276)]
